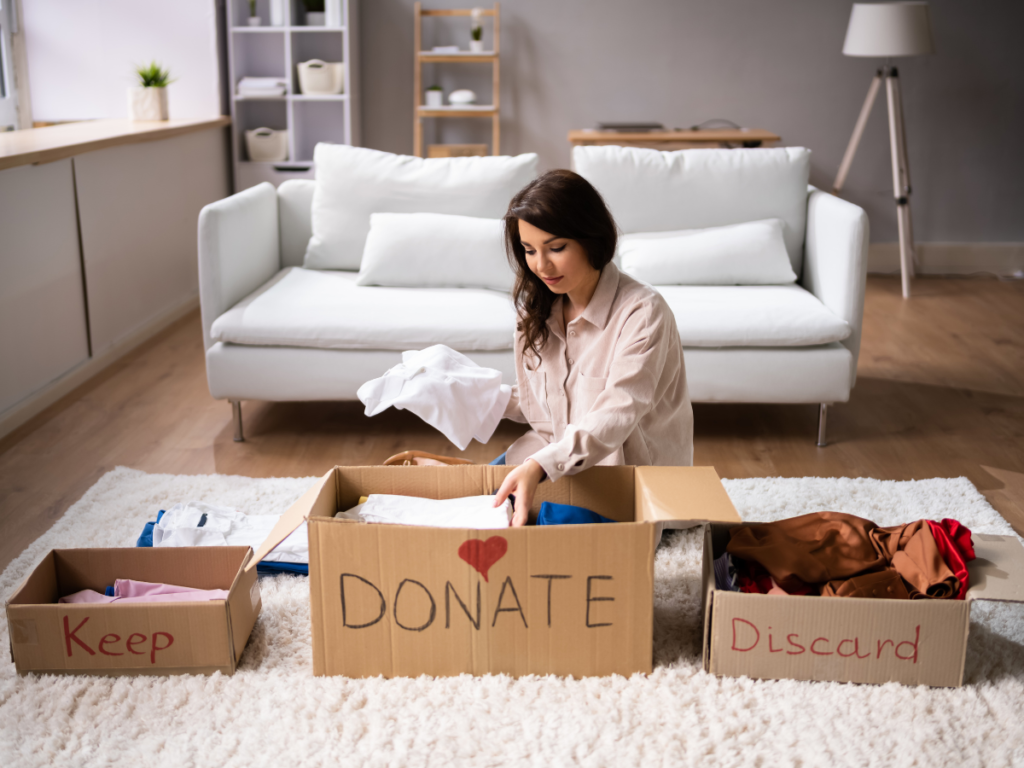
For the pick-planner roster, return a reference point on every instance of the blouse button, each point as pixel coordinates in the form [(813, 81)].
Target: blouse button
[(572, 333), (570, 361), (561, 467)]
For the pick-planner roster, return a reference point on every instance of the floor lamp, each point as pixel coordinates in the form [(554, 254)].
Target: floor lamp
[(888, 30)]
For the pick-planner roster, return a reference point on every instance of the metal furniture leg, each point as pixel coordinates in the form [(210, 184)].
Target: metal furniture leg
[(236, 413), (822, 424)]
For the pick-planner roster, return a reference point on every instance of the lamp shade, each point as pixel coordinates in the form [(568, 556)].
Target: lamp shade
[(889, 29)]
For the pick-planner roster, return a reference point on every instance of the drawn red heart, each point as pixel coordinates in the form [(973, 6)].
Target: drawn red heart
[(483, 554)]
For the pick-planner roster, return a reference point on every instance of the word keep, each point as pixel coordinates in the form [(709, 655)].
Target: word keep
[(110, 645)]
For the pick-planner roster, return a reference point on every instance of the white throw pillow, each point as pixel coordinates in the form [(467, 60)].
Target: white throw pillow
[(435, 250), (753, 253), (353, 182)]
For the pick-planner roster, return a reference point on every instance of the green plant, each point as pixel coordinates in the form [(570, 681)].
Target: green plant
[(477, 33), (153, 76), (435, 88), (314, 6), (252, 7)]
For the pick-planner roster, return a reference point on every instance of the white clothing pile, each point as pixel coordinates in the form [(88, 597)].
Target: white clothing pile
[(446, 389), (477, 512), (183, 525), (262, 86)]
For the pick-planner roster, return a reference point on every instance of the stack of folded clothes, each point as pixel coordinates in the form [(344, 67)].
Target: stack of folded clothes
[(262, 86), (833, 554)]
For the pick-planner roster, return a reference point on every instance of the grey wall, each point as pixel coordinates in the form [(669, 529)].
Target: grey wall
[(773, 64)]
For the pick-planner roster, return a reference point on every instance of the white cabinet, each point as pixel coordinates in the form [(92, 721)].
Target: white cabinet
[(276, 51), (42, 305)]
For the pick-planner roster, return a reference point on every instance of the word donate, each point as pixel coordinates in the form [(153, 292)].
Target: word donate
[(414, 606)]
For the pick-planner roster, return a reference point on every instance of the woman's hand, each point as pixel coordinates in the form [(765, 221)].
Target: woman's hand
[(522, 483)]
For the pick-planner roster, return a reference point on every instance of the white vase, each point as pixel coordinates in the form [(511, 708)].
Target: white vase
[(332, 12), (254, 21), (476, 46), (277, 8), (147, 103), (435, 99), (315, 18)]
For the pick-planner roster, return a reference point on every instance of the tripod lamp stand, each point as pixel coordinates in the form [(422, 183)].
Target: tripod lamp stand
[(888, 30)]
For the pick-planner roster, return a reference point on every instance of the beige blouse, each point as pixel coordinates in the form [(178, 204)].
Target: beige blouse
[(610, 388)]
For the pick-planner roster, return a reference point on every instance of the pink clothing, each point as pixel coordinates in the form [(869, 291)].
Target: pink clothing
[(130, 591), (610, 388)]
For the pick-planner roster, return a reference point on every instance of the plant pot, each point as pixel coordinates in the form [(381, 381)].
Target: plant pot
[(254, 21), (476, 46), (435, 99), (321, 78), (147, 103), (316, 18)]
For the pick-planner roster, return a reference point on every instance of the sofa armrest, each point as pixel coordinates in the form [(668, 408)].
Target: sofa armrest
[(836, 261), (239, 250)]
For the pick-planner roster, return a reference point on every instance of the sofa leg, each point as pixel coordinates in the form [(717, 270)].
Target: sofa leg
[(236, 413), (822, 425)]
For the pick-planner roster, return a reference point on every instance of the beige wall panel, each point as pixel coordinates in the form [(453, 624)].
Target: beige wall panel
[(42, 308), (139, 208)]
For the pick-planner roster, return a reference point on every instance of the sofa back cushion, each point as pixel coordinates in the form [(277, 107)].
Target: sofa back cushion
[(652, 191), (353, 182)]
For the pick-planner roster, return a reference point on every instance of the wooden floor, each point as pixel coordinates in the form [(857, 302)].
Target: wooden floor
[(940, 393)]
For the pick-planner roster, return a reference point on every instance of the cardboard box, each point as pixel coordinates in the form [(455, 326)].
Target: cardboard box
[(849, 639), (397, 600), (134, 638)]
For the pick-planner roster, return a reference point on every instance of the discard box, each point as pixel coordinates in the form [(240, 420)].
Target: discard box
[(134, 638), (850, 639), (397, 600)]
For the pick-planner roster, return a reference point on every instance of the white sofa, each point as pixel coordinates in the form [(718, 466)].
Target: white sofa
[(276, 331)]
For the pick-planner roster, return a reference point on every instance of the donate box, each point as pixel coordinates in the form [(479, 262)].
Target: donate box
[(167, 638), (397, 600), (851, 639)]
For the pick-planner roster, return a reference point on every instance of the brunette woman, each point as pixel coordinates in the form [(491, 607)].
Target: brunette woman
[(599, 365)]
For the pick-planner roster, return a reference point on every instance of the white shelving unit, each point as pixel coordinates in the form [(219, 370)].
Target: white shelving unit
[(275, 51)]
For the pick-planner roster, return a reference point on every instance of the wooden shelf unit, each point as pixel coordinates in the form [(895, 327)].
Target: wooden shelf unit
[(421, 57)]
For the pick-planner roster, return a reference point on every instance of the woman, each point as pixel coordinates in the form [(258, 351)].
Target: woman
[(599, 364)]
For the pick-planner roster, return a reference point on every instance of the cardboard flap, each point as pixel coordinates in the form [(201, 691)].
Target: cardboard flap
[(290, 520), (683, 493), (997, 572)]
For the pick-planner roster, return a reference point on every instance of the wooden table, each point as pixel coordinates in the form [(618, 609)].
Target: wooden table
[(669, 140)]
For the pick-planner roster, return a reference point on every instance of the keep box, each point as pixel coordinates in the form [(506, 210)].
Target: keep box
[(165, 638), (851, 639), (575, 600)]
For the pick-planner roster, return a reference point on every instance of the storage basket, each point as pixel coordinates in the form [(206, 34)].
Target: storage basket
[(266, 146), (321, 78)]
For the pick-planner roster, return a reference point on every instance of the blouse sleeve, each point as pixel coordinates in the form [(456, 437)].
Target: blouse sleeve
[(629, 394)]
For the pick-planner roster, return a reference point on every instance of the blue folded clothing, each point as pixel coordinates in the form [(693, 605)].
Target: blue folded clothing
[(146, 540), (567, 514)]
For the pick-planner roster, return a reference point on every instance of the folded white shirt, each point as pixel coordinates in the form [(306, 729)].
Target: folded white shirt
[(446, 389), (224, 527), (476, 512)]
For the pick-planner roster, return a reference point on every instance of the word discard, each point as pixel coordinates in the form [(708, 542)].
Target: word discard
[(746, 636)]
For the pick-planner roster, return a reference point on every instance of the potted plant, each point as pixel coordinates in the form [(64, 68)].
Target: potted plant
[(315, 16), (435, 96), (254, 20), (476, 31), (148, 100)]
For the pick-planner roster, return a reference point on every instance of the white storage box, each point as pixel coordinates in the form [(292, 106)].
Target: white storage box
[(266, 146), (321, 78)]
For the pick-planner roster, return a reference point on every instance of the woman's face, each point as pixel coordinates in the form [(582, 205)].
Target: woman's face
[(560, 262)]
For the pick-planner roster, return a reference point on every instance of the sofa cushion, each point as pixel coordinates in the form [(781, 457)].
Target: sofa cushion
[(353, 182), (436, 250), (326, 309), (751, 316), (752, 253), (652, 191)]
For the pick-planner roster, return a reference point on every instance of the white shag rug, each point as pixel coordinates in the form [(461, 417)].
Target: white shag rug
[(273, 712)]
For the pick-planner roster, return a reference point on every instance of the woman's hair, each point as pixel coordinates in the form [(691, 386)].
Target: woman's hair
[(564, 204)]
